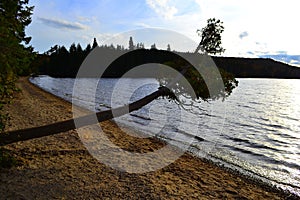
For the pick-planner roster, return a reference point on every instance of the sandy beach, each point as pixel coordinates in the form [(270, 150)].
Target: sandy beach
[(60, 167)]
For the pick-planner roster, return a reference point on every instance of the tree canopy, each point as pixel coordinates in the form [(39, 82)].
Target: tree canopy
[(211, 39), (15, 54)]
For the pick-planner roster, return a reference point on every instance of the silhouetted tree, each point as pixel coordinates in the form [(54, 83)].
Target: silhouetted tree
[(88, 49), (140, 45), (168, 47), (153, 46), (72, 48), (131, 44), (211, 39), (79, 49), (112, 47), (119, 48), (95, 44), (51, 50)]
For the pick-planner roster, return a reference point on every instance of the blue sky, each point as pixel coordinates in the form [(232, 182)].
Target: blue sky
[(253, 28)]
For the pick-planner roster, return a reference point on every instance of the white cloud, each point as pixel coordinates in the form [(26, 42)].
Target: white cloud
[(272, 23), (243, 35), (142, 25), (83, 19), (162, 8), (264, 26), (62, 24)]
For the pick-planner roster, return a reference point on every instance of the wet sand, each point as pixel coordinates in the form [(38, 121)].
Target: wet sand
[(60, 167)]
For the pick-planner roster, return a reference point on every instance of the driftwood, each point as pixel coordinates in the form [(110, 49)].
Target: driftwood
[(58, 127)]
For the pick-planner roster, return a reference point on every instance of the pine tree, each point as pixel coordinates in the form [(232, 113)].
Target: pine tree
[(72, 48), (88, 49), (119, 47), (142, 46), (79, 49), (168, 47), (131, 44), (153, 46), (95, 44)]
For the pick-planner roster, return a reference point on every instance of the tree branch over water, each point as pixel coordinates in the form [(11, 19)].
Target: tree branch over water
[(200, 81)]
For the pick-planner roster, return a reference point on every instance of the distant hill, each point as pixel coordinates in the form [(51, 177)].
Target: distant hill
[(283, 57), (240, 67), (257, 67)]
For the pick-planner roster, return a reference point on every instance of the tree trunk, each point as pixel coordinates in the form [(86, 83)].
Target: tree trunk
[(58, 127)]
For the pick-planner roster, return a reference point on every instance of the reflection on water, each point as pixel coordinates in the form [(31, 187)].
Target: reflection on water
[(256, 129)]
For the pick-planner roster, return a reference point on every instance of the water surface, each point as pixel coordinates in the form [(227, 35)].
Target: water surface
[(256, 129)]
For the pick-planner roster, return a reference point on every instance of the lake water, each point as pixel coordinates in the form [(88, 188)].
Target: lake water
[(256, 130)]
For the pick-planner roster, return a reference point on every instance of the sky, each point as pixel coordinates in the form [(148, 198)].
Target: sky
[(253, 28)]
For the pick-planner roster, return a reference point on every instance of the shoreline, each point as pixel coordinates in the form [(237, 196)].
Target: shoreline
[(62, 165)]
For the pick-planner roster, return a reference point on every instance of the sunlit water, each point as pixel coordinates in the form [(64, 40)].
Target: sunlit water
[(256, 130)]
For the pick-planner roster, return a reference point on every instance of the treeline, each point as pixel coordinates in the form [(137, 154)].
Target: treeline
[(62, 62), (59, 61)]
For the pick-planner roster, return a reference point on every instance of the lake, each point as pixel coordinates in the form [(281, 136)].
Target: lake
[(255, 131)]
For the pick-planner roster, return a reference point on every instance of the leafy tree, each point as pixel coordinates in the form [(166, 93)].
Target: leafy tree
[(15, 54), (198, 83), (131, 44), (211, 37)]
